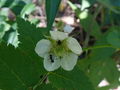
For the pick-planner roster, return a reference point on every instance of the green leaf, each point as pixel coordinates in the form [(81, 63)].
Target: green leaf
[(27, 9), (46, 87), (13, 38), (29, 34), (85, 20), (111, 4), (2, 17), (6, 3), (3, 28), (17, 6), (21, 68), (104, 51), (113, 37), (51, 10), (2, 32), (104, 88), (74, 79), (99, 69), (18, 69), (111, 17), (14, 5), (99, 64), (105, 68), (93, 27)]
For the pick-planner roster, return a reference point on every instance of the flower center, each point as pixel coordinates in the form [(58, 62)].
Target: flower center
[(59, 42), (61, 48), (58, 48)]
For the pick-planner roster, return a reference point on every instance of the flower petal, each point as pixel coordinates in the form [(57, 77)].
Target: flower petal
[(68, 61), (57, 35), (74, 46), (68, 28), (43, 47), (51, 66)]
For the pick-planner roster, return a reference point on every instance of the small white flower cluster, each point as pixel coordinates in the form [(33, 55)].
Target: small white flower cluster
[(59, 50)]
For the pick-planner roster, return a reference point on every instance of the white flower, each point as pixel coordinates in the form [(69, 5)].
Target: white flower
[(59, 50)]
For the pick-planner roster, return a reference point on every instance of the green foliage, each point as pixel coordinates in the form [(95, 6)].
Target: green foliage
[(75, 79), (100, 65), (93, 27), (22, 69), (114, 37), (27, 9), (111, 4), (46, 87), (2, 32), (23, 65), (18, 71)]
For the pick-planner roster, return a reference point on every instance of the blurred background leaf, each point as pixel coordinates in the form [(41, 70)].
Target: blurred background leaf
[(114, 36), (51, 11)]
